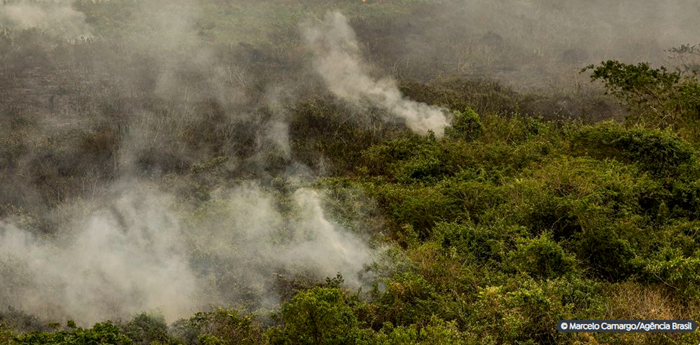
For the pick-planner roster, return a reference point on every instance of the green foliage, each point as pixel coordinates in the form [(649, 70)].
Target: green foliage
[(408, 299), (607, 252), (407, 158), (146, 329), (524, 310), (437, 331), (657, 97), (537, 219), (220, 326), (482, 244), (496, 231), (465, 125), (317, 316), (6, 335), (677, 270), (100, 333), (421, 208), (542, 258), (662, 153)]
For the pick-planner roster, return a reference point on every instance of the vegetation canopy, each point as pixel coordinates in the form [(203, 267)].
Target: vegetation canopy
[(347, 172)]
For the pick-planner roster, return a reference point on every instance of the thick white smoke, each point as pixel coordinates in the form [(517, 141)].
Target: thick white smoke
[(144, 251), (338, 60), (124, 258), (57, 18), (251, 237), (305, 240)]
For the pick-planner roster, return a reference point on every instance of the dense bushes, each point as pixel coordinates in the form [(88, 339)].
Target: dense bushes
[(219, 326), (317, 316), (542, 258), (505, 227), (465, 125), (101, 333), (662, 153), (558, 211), (490, 235)]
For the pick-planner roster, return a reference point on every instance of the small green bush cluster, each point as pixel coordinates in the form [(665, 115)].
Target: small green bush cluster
[(219, 326)]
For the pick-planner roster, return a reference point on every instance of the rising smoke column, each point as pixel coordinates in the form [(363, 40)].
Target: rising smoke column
[(338, 60)]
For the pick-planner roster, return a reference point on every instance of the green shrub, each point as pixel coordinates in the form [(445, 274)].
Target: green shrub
[(608, 254), (6, 335), (465, 125), (657, 98), (409, 299), (676, 270), (316, 316), (220, 326), (482, 244), (437, 331), (421, 208), (146, 329), (523, 310), (542, 258), (555, 214), (662, 153), (405, 158), (684, 199), (100, 333)]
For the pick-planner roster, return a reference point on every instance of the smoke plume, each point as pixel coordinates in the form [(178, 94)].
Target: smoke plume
[(56, 18), (194, 104), (121, 259), (338, 60), (142, 250)]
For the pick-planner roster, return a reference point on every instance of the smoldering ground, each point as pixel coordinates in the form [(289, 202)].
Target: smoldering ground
[(141, 251), (128, 244), (337, 59), (57, 18), (141, 140)]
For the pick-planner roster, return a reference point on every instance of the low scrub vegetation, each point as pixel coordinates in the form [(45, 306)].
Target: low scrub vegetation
[(533, 207)]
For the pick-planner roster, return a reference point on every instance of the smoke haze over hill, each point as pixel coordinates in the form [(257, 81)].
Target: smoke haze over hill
[(174, 156)]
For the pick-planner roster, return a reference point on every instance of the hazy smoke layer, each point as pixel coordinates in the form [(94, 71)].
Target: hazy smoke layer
[(56, 18), (122, 259), (536, 44), (337, 59), (246, 240), (137, 254), (254, 229)]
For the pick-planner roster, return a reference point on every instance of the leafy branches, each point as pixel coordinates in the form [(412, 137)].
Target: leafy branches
[(656, 97)]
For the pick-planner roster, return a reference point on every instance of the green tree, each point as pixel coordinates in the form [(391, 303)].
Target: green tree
[(317, 316), (655, 96)]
